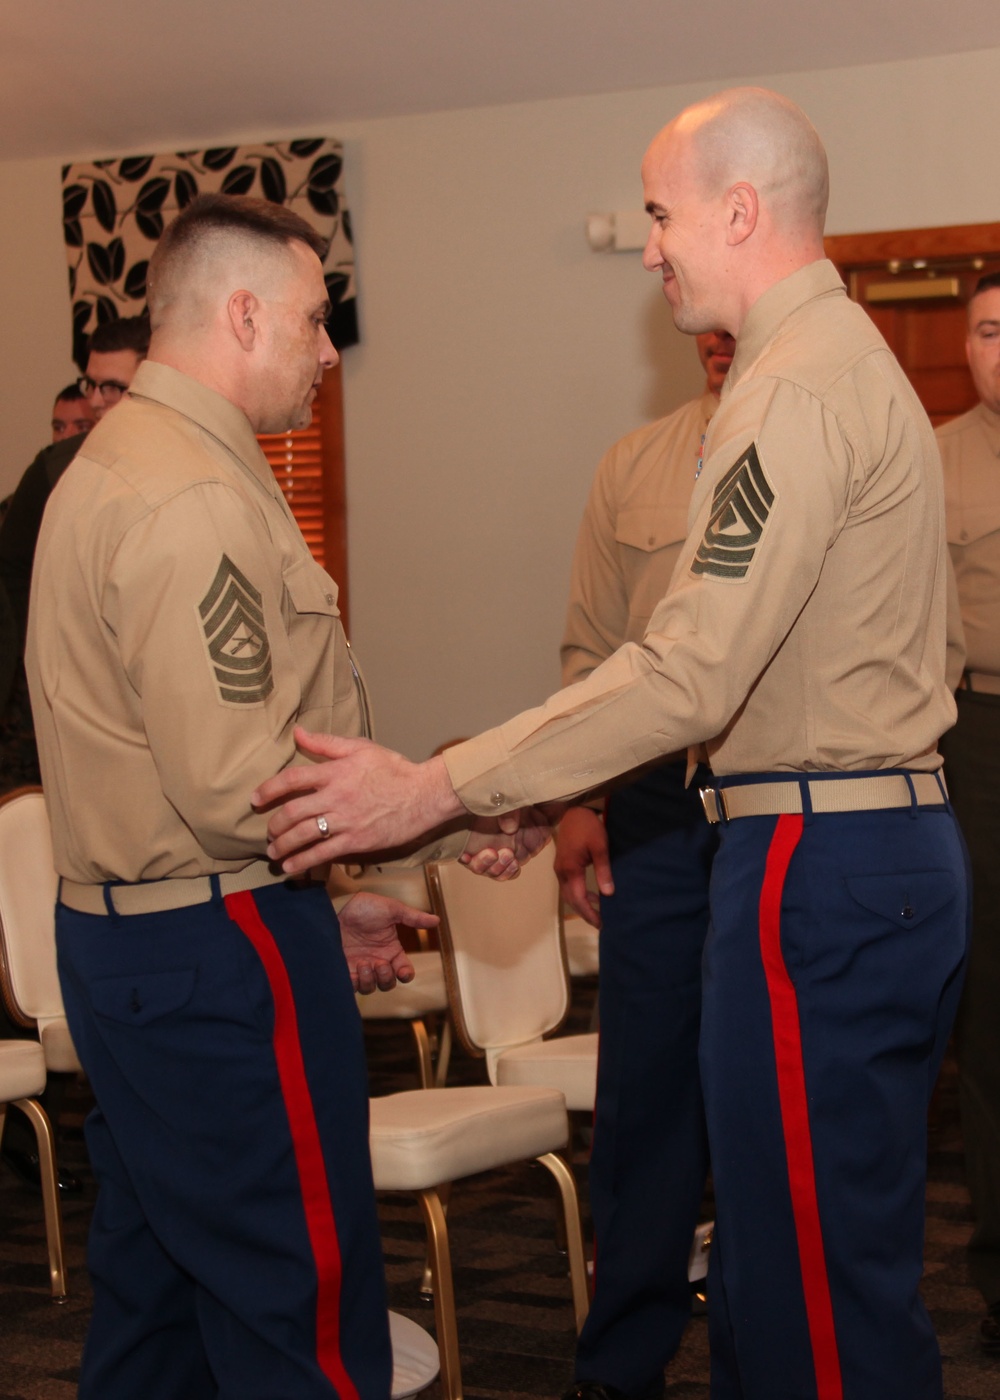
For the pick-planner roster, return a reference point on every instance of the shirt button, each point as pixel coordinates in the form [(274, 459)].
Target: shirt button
[(497, 799), (965, 535), (328, 597), (652, 540)]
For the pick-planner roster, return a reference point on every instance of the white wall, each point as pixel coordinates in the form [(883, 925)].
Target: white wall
[(500, 357)]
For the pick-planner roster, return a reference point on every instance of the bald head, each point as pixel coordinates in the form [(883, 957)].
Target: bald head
[(753, 135), (737, 188)]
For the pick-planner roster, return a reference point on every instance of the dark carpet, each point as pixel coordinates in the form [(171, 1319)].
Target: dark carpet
[(515, 1311)]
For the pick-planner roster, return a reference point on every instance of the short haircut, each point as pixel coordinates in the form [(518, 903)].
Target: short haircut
[(127, 333), (987, 283), (240, 218), (70, 394)]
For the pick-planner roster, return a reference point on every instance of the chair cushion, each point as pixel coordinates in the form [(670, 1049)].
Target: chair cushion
[(567, 1062), (22, 1069), (408, 1000), (415, 1360), (60, 1052), (424, 1137), (582, 942)]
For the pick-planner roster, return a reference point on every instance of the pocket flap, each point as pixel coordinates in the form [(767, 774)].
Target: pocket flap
[(651, 527), (143, 997), (905, 899), (311, 588)]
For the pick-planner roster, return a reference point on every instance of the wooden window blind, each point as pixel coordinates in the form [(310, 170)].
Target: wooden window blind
[(309, 466)]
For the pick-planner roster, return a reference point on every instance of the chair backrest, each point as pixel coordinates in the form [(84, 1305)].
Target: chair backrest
[(504, 957), (29, 980)]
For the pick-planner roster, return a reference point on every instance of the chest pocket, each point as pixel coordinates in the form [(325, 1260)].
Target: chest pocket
[(649, 540), (974, 518), (330, 695)]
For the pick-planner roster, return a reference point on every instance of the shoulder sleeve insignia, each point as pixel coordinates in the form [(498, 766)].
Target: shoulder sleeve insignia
[(740, 509), (233, 621)]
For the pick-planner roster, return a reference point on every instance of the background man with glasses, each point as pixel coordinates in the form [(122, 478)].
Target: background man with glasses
[(116, 351)]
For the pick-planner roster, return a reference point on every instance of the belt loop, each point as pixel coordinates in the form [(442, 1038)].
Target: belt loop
[(109, 903), (217, 898), (807, 802), (914, 808)]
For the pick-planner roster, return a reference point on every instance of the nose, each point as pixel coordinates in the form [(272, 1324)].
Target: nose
[(652, 258), (328, 356)]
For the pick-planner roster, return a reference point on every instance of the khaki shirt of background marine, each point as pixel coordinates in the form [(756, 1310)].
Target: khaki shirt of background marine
[(970, 452), (630, 539), (805, 626), (179, 628)]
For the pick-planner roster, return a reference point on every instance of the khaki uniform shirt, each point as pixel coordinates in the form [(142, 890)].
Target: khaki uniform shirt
[(178, 629), (630, 539), (805, 626), (970, 452)]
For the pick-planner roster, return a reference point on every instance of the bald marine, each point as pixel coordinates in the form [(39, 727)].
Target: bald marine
[(737, 187)]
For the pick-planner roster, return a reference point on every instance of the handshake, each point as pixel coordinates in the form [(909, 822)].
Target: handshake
[(364, 798), (359, 798)]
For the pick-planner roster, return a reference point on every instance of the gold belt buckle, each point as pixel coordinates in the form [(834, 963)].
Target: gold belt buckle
[(713, 801)]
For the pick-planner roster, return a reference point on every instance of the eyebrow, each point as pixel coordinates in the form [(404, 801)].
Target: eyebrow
[(986, 323)]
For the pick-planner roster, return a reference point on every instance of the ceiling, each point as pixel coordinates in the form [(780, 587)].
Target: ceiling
[(109, 76)]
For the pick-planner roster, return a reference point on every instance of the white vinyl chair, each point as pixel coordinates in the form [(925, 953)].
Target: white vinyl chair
[(582, 946), (422, 1003), (508, 981), (29, 979), (22, 1077), (424, 1139)]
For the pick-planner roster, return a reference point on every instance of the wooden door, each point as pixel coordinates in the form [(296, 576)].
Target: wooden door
[(914, 283)]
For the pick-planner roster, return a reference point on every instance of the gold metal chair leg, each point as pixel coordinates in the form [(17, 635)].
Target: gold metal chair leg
[(445, 1320), (574, 1234), (427, 1281), (424, 1055), (444, 1052), (50, 1194)]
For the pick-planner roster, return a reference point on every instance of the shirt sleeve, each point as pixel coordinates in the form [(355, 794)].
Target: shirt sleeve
[(194, 599), (772, 497)]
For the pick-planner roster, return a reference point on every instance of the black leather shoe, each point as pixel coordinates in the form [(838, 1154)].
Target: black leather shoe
[(26, 1165), (989, 1331), (598, 1390)]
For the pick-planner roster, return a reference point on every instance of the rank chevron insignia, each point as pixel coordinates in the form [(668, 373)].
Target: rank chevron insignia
[(233, 620), (740, 508)]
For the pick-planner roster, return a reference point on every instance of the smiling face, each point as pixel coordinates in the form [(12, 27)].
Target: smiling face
[(687, 243), (295, 348), (982, 346), (715, 351)]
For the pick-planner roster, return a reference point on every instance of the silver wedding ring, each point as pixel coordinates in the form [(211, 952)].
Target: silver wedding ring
[(324, 826)]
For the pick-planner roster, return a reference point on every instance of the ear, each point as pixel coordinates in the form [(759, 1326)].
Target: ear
[(242, 307), (743, 210)]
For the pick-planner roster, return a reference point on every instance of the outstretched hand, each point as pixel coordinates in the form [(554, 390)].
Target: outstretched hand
[(364, 798), (582, 841), (375, 957)]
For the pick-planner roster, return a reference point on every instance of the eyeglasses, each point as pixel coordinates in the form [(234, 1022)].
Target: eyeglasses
[(110, 390)]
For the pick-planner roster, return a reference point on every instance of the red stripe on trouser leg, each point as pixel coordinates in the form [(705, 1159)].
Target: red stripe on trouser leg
[(305, 1140), (795, 1112)]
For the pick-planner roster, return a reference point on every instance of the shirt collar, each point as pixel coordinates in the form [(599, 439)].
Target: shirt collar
[(216, 415), (816, 279)]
